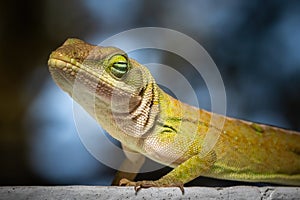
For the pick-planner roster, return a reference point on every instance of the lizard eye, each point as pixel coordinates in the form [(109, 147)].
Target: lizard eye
[(119, 66)]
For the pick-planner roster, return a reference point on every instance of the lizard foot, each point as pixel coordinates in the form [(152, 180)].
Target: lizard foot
[(147, 184)]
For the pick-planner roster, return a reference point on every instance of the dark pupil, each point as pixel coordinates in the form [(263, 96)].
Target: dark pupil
[(119, 69)]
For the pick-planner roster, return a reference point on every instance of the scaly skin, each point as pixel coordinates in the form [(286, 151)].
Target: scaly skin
[(122, 96)]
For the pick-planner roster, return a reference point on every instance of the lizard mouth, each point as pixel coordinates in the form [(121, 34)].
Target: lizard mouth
[(67, 73), (71, 76)]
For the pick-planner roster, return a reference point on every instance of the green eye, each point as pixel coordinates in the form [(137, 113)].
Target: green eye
[(119, 66)]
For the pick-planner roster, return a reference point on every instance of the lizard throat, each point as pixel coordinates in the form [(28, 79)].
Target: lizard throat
[(142, 118)]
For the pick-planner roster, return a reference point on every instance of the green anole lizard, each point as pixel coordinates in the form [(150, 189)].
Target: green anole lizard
[(123, 97)]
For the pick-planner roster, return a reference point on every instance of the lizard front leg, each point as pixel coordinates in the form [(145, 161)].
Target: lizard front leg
[(183, 173), (133, 161)]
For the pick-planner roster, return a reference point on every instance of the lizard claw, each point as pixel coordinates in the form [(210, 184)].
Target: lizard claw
[(147, 184)]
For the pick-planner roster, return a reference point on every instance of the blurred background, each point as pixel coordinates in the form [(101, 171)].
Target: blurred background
[(255, 45)]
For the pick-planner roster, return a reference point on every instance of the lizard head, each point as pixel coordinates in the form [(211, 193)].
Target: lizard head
[(105, 72), (103, 79)]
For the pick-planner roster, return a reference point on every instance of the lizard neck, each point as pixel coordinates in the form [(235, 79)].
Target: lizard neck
[(140, 117)]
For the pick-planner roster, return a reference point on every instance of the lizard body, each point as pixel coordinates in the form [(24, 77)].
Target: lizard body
[(123, 97)]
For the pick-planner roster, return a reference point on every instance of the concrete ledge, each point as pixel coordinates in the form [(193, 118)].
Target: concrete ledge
[(102, 192)]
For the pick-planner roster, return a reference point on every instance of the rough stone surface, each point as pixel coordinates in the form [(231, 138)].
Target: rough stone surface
[(101, 192)]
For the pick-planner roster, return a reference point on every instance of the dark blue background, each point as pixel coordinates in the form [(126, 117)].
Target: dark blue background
[(255, 45)]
